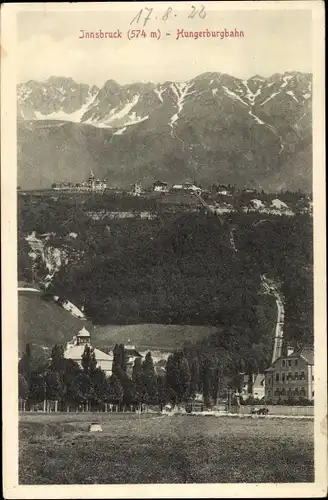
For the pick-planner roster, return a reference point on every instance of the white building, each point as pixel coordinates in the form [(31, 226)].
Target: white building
[(136, 189), (223, 190), (75, 349), (291, 375), (258, 386), (278, 204), (256, 204), (160, 187), (91, 184), (187, 187)]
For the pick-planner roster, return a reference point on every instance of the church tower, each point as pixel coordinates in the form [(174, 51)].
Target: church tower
[(83, 337)]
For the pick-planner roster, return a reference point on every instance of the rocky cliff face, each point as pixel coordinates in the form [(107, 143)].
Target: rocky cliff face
[(213, 128)]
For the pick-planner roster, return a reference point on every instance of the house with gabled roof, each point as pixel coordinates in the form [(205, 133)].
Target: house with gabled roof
[(75, 349), (291, 376), (257, 389)]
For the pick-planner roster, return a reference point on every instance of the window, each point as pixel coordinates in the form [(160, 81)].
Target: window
[(296, 376), (289, 376), (283, 363), (283, 392), (283, 377), (303, 391), (303, 376), (312, 377), (296, 362), (296, 392), (277, 392), (289, 362), (313, 394), (277, 377)]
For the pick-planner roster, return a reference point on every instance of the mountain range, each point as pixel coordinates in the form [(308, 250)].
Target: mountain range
[(212, 128)]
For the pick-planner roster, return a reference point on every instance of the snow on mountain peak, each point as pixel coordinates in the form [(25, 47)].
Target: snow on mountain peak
[(180, 91), (121, 106)]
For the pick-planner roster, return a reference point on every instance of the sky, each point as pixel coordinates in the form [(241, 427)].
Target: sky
[(49, 45)]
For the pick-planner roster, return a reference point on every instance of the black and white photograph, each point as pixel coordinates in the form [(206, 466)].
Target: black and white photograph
[(165, 272)]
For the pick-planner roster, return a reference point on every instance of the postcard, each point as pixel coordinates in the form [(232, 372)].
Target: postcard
[(163, 250)]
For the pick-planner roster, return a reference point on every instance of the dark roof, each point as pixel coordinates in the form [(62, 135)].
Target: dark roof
[(307, 354), (160, 183)]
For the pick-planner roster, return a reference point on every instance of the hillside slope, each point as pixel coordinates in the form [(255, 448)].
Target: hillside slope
[(43, 322)]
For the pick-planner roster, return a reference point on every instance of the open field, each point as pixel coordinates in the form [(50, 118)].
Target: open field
[(57, 449), (151, 336)]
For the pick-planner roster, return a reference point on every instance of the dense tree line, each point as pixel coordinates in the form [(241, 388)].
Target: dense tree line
[(188, 373), (63, 380)]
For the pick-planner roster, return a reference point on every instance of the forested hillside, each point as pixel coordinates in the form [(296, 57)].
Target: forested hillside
[(182, 268)]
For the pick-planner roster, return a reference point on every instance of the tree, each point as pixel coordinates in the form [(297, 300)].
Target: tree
[(178, 375), (57, 362), (38, 387), (25, 262), (123, 357), (137, 369), (54, 386), (119, 361), (251, 366), (71, 372), (162, 392), (146, 383), (100, 386), (216, 383), (22, 387), (129, 390), (114, 390), (89, 362), (148, 366), (81, 389), (25, 363), (194, 377), (206, 375), (238, 372)]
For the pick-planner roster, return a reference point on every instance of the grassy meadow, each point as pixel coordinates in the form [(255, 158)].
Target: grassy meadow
[(150, 448)]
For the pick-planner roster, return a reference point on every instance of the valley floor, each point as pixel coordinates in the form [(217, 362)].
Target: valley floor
[(132, 449)]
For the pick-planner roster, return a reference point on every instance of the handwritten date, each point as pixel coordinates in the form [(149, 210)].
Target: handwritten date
[(147, 14)]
